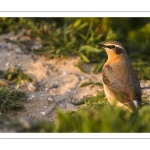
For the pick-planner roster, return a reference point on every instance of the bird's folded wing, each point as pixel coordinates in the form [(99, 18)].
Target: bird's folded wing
[(119, 82)]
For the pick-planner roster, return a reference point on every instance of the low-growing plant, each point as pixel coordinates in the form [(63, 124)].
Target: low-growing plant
[(15, 75), (91, 82), (106, 119), (9, 99)]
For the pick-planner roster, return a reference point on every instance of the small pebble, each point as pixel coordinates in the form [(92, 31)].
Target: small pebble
[(11, 38), (18, 50), (31, 87), (55, 85), (50, 100), (29, 99), (82, 78), (75, 91), (45, 89), (7, 64), (32, 95), (43, 113), (64, 73), (72, 100), (45, 107)]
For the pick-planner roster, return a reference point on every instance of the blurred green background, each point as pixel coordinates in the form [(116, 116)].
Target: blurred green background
[(68, 36), (71, 37)]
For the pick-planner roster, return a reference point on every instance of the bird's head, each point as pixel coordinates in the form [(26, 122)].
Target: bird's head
[(114, 49)]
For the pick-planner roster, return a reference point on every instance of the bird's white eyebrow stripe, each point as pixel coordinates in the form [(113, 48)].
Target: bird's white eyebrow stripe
[(115, 45)]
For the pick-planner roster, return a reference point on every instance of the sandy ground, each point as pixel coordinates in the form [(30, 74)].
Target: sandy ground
[(56, 82)]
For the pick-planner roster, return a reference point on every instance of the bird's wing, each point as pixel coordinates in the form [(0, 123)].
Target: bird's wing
[(121, 81)]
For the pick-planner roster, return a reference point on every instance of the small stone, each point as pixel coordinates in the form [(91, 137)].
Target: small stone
[(11, 38), (60, 105), (7, 64), (45, 89), (30, 115), (32, 96), (45, 107), (54, 86), (75, 91), (82, 78), (18, 65), (64, 73), (50, 100), (29, 99), (43, 113), (31, 87), (18, 50), (55, 91)]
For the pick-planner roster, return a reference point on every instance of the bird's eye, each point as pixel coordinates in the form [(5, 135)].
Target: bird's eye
[(111, 46)]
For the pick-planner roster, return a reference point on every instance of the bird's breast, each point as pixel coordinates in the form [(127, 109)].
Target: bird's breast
[(110, 96)]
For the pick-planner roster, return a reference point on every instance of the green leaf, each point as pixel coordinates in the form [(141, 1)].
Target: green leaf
[(86, 84), (79, 65), (90, 49), (77, 22), (84, 58)]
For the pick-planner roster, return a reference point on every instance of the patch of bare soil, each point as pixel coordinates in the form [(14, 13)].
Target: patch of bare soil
[(56, 81)]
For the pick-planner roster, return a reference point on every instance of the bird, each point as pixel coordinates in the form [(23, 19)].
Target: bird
[(120, 81)]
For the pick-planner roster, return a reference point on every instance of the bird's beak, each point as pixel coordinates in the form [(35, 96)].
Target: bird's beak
[(101, 45)]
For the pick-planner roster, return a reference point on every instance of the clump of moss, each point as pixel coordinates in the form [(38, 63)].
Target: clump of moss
[(15, 75), (9, 99)]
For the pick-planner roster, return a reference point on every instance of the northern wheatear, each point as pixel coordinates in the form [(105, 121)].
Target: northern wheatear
[(121, 84)]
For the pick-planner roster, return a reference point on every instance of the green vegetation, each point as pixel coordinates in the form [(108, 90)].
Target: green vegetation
[(15, 75), (9, 99), (100, 119), (90, 82), (143, 69), (79, 36)]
